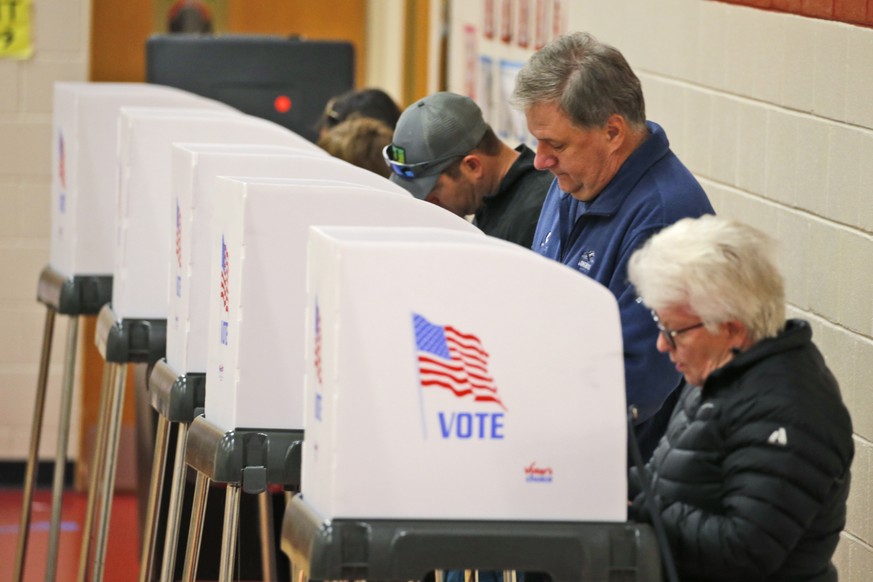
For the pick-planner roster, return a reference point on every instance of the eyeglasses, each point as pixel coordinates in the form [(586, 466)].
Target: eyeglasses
[(391, 153), (670, 334)]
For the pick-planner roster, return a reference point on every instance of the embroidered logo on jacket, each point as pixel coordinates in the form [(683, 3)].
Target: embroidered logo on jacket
[(779, 437), (586, 261)]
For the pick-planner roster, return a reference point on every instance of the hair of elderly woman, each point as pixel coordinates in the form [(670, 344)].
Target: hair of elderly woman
[(359, 141), (720, 269), (589, 80)]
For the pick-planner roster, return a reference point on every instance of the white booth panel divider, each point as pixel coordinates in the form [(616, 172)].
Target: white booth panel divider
[(195, 167), (255, 357), (141, 269), (450, 376), (84, 167)]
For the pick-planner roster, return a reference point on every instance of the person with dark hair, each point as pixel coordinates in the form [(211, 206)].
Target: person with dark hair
[(359, 141), (370, 102), (751, 479), (444, 152), (616, 183)]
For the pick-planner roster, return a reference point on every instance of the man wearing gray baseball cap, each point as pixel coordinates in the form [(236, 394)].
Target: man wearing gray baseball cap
[(444, 152)]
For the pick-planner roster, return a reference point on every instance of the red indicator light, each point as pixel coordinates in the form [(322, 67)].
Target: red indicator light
[(282, 104)]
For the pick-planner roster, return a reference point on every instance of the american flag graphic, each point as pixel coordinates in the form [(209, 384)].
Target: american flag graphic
[(178, 235), (454, 361), (225, 262), (317, 343)]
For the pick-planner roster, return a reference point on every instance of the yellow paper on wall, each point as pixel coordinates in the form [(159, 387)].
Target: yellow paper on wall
[(15, 29)]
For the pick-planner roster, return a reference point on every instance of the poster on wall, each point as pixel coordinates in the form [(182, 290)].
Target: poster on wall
[(15, 40), (524, 21), (511, 123), (541, 25), (488, 19), (486, 89), (471, 52), (506, 24)]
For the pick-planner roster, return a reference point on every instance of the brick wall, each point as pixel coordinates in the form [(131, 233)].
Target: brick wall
[(60, 30)]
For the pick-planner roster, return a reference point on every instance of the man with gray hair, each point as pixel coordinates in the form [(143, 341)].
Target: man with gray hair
[(616, 183)]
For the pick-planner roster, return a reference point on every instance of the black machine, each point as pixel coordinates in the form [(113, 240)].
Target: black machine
[(287, 80)]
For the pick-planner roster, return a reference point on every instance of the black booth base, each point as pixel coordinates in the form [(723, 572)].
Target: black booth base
[(252, 458), (176, 397), (371, 549), (73, 295), (129, 341)]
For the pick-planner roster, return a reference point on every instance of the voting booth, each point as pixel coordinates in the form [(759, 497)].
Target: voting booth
[(177, 384), (255, 358), (468, 393), (78, 279), (132, 329)]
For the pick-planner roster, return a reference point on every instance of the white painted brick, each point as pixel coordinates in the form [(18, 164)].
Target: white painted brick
[(859, 519), (823, 288), (751, 146), (712, 39), (723, 159), (684, 43), (812, 164), (865, 181), (860, 562), (859, 106), (716, 193), (34, 218), (853, 261), (770, 62), (39, 79), (844, 198), (839, 350), (780, 154), (672, 117), (55, 25), (799, 90), (9, 88), (792, 235), (841, 556), (9, 201), (25, 345), (698, 132), (743, 39), (861, 402), (29, 154), (21, 268), (830, 69)]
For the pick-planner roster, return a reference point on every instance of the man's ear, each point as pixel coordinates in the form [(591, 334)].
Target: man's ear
[(616, 131), (473, 166)]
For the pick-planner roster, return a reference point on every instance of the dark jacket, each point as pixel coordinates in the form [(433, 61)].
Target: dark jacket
[(753, 473)]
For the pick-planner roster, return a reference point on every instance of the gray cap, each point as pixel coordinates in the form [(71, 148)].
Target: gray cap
[(442, 126)]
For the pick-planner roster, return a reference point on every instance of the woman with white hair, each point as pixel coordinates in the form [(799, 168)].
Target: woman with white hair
[(751, 477)]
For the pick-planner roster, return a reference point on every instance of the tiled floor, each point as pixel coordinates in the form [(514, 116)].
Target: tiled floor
[(122, 552)]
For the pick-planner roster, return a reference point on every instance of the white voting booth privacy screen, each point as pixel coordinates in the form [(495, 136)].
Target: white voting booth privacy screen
[(451, 376), (195, 167), (143, 229), (84, 167), (255, 355)]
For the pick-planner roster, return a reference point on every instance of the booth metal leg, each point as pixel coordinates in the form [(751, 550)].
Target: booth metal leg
[(35, 434), (229, 531), (159, 462), (174, 513), (96, 470), (61, 449), (195, 529), (268, 543), (108, 478)]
